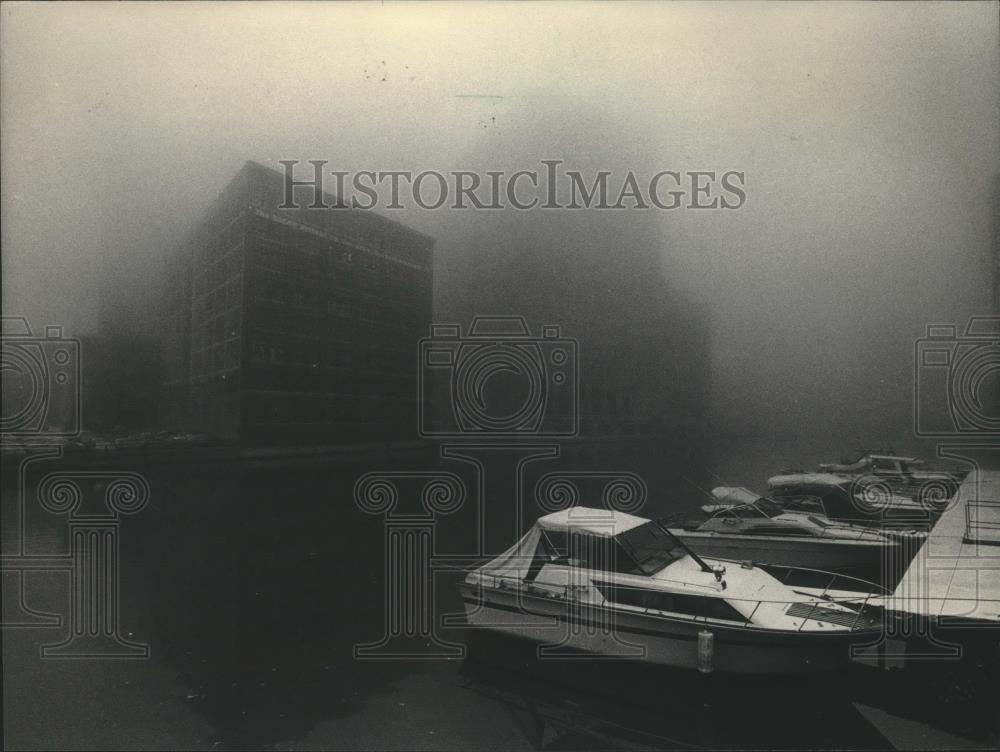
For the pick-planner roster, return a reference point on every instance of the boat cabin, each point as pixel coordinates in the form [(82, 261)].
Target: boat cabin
[(600, 540), (873, 462)]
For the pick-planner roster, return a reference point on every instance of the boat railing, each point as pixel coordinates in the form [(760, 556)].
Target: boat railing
[(834, 580), (982, 521), (863, 529), (888, 523), (884, 527), (838, 583)]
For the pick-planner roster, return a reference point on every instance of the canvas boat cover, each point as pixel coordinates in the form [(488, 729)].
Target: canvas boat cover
[(601, 522), (515, 561), (806, 479), (738, 495)]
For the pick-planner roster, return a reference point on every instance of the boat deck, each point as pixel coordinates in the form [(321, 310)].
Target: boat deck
[(956, 573)]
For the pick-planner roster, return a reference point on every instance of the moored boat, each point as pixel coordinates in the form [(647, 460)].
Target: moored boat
[(848, 499), (592, 581), (765, 532), (908, 476)]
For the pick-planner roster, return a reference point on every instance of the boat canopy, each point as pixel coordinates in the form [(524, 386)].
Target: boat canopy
[(605, 523), (826, 480), (520, 560), (735, 495)]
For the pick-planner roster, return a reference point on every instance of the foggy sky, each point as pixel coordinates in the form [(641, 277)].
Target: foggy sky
[(868, 134)]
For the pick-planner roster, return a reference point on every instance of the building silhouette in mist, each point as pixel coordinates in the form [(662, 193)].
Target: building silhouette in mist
[(644, 341), (120, 361), (294, 326)]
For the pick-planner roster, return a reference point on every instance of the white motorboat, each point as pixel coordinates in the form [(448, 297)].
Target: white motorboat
[(592, 581), (846, 498), (766, 532), (909, 476)]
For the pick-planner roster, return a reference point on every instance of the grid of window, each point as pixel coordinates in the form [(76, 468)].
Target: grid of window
[(302, 320), (216, 309), (331, 335)]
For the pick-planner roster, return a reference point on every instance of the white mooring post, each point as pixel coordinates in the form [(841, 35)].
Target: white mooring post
[(706, 651)]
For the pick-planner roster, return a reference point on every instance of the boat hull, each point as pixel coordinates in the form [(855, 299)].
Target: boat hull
[(569, 629)]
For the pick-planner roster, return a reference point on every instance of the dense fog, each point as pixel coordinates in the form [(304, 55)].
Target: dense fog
[(867, 134)]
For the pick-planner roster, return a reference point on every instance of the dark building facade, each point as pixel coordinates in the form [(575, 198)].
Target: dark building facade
[(295, 326)]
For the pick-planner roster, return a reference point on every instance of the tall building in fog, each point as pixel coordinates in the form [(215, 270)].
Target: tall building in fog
[(644, 344), (294, 326)]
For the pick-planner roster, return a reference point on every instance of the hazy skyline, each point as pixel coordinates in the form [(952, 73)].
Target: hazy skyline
[(868, 134)]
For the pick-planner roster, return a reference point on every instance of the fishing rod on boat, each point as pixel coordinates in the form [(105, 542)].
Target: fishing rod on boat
[(698, 488), (722, 481)]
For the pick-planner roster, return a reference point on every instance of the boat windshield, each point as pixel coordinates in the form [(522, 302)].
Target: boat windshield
[(650, 547), (804, 504), (768, 507), (760, 508)]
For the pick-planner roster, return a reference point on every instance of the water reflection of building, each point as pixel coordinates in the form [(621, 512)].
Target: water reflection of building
[(294, 326)]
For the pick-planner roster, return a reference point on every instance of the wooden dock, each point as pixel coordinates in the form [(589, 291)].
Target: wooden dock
[(956, 575)]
